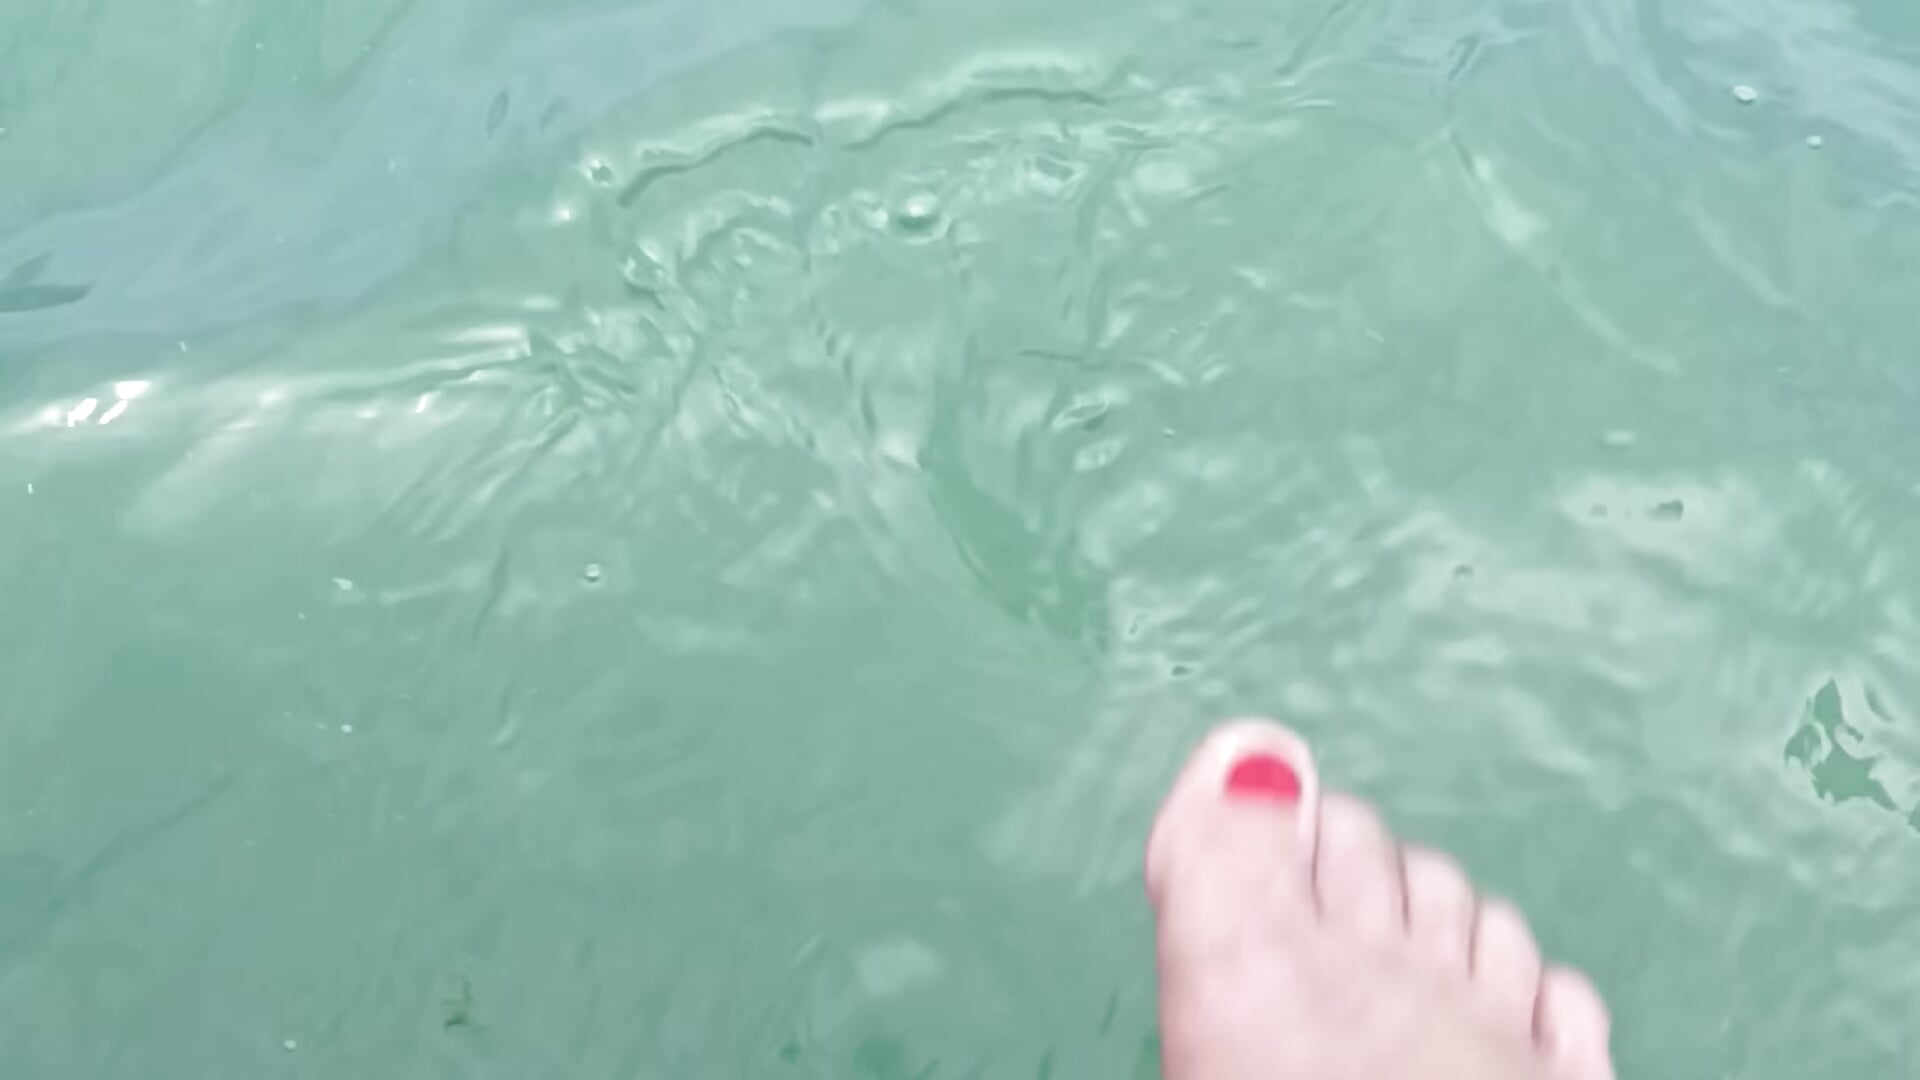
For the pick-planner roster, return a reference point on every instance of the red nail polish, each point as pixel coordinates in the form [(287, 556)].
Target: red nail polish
[(1263, 776)]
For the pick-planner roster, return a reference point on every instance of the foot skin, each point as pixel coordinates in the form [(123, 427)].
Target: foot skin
[(1299, 941)]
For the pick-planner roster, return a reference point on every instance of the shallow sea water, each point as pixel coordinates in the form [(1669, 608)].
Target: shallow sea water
[(676, 540)]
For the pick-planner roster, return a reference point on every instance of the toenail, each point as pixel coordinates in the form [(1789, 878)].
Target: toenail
[(1263, 776)]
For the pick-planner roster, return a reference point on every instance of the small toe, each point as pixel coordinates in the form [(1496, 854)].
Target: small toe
[(1572, 1026), (1231, 851), (1440, 911), (1357, 870), (1506, 965)]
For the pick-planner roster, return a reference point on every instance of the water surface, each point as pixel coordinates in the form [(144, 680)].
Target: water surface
[(654, 539)]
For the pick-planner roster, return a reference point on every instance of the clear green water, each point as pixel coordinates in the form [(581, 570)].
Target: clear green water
[(671, 540)]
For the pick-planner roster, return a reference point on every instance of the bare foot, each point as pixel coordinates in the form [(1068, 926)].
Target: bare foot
[(1298, 941)]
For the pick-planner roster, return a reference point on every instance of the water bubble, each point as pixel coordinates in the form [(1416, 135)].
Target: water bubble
[(593, 573), (290, 1046), (346, 729), (919, 211), (1815, 142), (1745, 95)]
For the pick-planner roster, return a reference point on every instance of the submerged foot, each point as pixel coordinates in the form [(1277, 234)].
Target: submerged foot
[(1299, 941)]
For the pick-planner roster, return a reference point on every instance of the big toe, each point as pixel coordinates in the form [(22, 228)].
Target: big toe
[(1231, 853)]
